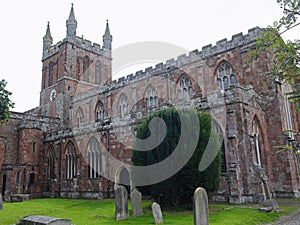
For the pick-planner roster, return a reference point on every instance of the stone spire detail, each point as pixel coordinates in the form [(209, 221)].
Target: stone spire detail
[(71, 24), (107, 37), (47, 39)]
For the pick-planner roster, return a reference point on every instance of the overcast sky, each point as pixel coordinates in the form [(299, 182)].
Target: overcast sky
[(190, 24)]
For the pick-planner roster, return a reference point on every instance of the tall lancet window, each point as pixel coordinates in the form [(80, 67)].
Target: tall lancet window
[(51, 162), (123, 106), (51, 73), (86, 65), (257, 142), (71, 161), (94, 159), (97, 72), (287, 122), (79, 115), (99, 111)]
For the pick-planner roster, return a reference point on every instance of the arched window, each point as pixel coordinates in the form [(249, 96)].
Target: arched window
[(185, 89), (123, 106), (78, 69), (151, 98), (32, 179), (86, 64), (51, 162), (71, 161), (79, 115), (99, 111), (225, 77), (97, 72), (51, 73), (288, 119), (94, 159), (257, 141)]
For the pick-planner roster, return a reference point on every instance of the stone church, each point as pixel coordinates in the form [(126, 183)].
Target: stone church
[(76, 143)]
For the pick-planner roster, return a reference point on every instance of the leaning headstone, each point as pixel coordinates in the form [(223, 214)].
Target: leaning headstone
[(269, 204), (121, 203), (156, 211), (265, 182), (44, 220), (200, 207), (136, 200), (1, 206)]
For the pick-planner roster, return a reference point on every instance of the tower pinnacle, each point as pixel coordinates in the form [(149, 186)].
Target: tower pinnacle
[(71, 24), (47, 39), (107, 37)]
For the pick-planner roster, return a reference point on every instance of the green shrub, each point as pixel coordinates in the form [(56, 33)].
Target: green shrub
[(177, 191)]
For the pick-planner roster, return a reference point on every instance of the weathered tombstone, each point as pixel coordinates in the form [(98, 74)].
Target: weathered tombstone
[(44, 220), (121, 203), (136, 200), (200, 207), (156, 211), (265, 180), (1, 206)]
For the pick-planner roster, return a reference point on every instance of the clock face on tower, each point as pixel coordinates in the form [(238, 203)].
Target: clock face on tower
[(52, 95)]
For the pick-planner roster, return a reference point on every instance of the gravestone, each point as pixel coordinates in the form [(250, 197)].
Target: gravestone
[(1, 206), (269, 204), (136, 200), (265, 182), (156, 211), (200, 207), (121, 203), (44, 220)]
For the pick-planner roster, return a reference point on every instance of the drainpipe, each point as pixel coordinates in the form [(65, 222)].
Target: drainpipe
[(60, 161), (108, 166)]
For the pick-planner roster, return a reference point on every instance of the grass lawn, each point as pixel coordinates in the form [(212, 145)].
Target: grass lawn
[(89, 212)]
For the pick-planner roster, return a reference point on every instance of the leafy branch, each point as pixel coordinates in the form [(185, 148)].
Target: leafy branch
[(285, 62), (5, 102)]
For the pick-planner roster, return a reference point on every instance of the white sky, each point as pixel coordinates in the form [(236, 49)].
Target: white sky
[(190, 24)]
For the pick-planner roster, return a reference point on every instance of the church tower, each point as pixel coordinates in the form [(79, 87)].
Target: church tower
[(71, 67)]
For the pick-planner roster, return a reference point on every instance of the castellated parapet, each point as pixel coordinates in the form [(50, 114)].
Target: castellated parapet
[(238, 40), (80, 42), (28, 121)]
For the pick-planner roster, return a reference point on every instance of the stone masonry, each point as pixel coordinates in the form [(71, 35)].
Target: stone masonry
[(64, 147)]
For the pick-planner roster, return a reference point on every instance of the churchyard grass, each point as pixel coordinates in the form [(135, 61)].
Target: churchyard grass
[(90, 212)]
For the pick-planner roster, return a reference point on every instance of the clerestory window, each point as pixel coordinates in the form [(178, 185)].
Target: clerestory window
[(225, 77), (185, 89), (151, 99)]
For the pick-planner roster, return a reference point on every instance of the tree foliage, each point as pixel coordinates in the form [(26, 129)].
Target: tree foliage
[(177, 191), (286, 54), (5, 102)]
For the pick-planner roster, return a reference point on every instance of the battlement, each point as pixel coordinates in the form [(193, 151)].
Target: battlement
[(238, 40), (80, 42), (207, 51)]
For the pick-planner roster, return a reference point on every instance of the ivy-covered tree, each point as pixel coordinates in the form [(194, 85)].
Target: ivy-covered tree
[(286, 54), (177, 191), (5, 103)]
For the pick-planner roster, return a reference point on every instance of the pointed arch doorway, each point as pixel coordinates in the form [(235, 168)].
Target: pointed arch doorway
[(123, 178)]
